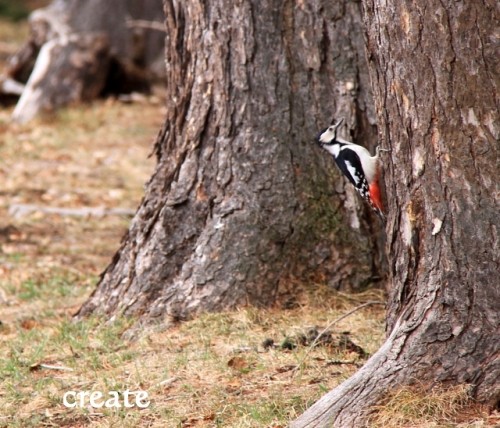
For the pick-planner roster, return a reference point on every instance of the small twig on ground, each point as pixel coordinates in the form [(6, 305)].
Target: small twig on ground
[(167, 382), (339, 363), (49, 367)]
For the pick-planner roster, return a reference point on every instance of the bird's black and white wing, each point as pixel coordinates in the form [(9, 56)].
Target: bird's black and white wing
[(349, 163)]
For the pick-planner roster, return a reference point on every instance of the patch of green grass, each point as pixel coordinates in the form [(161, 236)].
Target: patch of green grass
[(28, 290), (264, 413), (11, 367), (48, 287), (13, 257), (82, 347)]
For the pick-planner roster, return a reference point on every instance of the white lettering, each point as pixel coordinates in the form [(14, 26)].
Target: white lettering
[(142, 395), (126, 393), (82, 395), (94, 396), (98, 399), (114, 401), (65, 399)]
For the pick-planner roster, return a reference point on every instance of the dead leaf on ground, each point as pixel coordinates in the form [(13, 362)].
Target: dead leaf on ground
[(29, 324), (233, 385), (238, 363)]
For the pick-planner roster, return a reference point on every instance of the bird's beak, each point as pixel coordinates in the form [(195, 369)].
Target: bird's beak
[(336, 125)]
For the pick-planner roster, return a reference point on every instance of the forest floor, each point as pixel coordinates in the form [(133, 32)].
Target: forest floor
[(244, 368)]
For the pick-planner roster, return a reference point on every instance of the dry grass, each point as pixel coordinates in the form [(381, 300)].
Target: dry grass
[(418, 406), (87, 156), (212, 371)]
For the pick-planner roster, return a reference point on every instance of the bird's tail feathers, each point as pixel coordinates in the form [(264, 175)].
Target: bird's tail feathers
[(376, 200)]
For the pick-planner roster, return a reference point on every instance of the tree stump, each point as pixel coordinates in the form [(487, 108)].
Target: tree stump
[(68, 70), (80, 50)]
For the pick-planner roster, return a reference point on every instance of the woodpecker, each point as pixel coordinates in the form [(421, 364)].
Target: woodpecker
[(357, 164)]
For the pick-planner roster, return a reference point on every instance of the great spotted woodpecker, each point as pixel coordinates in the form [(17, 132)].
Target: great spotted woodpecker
[(357, 164)]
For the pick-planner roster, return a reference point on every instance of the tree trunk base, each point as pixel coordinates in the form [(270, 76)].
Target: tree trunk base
[(402, 361)]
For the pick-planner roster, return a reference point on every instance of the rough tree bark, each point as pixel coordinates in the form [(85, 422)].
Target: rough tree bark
[(435, 75), (78, 50), (242, 205)]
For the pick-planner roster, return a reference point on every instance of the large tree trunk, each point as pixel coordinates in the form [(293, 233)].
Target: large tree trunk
[(242, 205), (79, 50), (433, 68)]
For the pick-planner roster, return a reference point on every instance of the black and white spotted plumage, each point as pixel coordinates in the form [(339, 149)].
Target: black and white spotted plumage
[(356, 163), (349, 163)]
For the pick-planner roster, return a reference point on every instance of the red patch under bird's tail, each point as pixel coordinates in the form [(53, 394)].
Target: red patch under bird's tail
[(376, 200)]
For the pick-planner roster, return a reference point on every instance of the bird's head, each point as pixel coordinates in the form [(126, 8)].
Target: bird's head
[(328, 135)]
